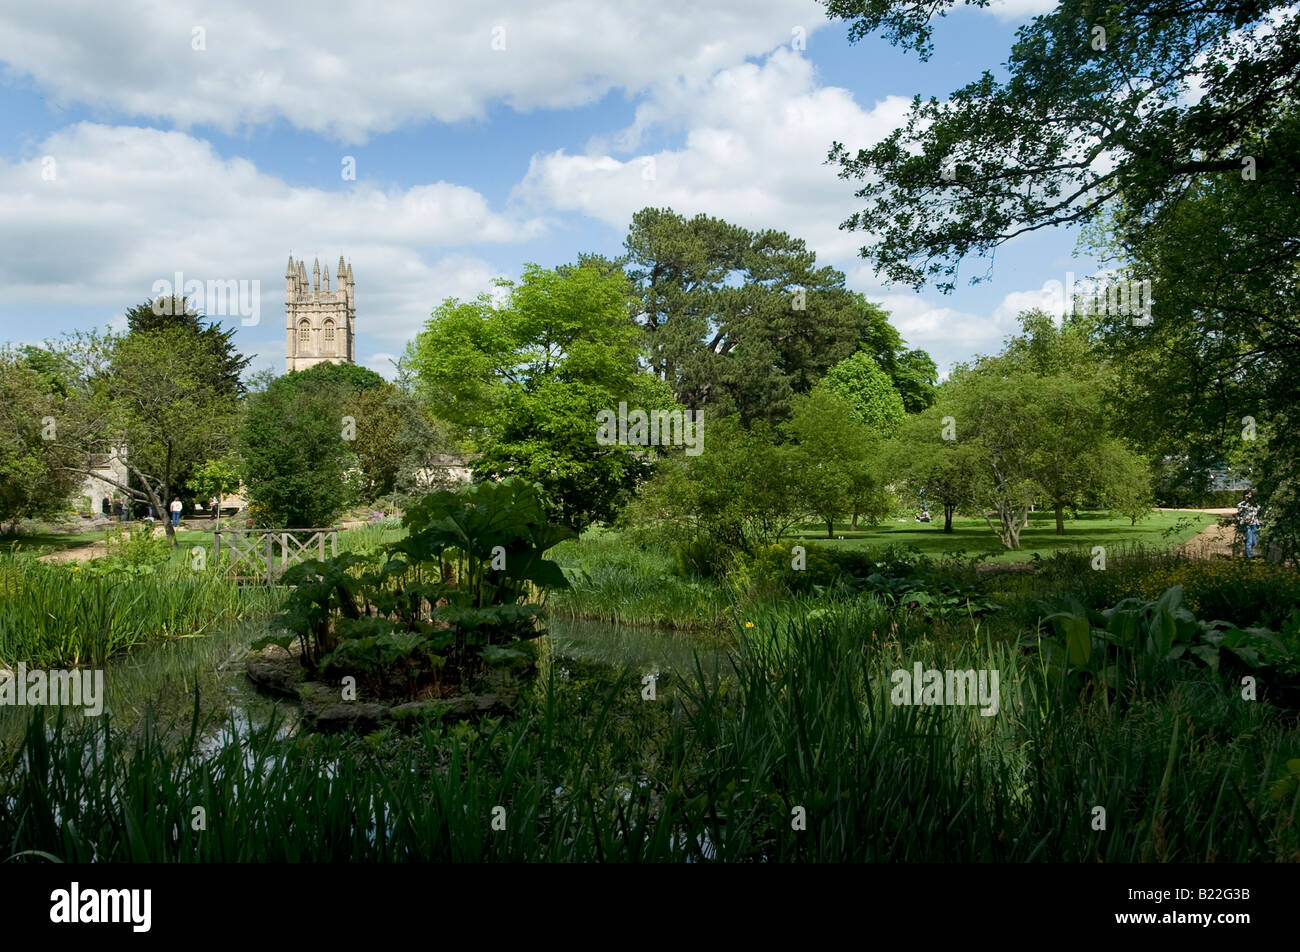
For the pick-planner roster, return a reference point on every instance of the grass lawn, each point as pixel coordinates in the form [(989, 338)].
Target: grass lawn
[(42, 540), (973, 536)]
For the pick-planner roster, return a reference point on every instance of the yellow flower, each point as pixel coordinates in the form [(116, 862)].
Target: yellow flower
[(749, 624)]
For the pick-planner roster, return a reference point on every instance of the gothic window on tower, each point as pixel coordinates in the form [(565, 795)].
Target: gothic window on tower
[(304, 335), (329, 337)]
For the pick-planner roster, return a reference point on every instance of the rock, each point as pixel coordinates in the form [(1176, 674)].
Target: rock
[(282, 676), (280, 672), (362, 717)]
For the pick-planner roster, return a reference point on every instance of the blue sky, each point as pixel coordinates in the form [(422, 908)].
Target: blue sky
[(209, 139)]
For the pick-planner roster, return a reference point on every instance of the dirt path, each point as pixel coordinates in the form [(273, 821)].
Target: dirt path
[(1212, 541)]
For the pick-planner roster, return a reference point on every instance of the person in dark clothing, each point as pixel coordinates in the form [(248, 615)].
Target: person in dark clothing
[(106, 506)]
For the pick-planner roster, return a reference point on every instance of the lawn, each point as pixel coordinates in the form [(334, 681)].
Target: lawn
[(973, 536), (41, 539)]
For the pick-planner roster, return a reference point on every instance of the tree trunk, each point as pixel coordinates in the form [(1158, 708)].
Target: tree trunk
[(1060, 519), (947, 518), (830, 529), (854, 525)]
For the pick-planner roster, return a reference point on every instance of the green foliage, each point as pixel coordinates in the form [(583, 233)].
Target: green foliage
[(345, 377), (703, 556), (294, 455), (868, 390), (437, 606), (1163, 101), (133, 547), (396, 440), (56, 615), (216, 477), (833, 460), (741, 322), (740, 492), (37, 474), (938, 472), (1134, 636), (529, 374), (770, 571), (811, 696), (226, 364)]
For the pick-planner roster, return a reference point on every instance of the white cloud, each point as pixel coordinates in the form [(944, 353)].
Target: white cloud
[(1020, 9), (350, 70), (949, 335), (127, 207), (754, 153)]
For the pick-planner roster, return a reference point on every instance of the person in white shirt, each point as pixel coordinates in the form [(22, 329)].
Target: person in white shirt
[(176, 512)]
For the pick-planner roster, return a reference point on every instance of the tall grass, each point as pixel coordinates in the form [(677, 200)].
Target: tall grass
[(714, 769), (615, 582), (59, 615)]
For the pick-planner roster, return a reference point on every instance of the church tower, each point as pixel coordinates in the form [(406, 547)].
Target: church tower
[(320, 323)]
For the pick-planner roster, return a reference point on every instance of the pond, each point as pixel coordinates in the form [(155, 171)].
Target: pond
[(163, 678)]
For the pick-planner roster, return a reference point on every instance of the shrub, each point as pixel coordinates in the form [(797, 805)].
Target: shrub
[(439, 606), (770, 571), (1246, 592), (704, 556)]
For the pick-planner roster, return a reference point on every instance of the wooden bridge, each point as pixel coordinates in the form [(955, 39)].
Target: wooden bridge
[(262, 555)]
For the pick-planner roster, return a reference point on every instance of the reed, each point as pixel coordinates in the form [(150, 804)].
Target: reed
[(719, 767), (55, 615)]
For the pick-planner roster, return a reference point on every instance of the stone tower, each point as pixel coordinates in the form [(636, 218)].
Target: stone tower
[(320, 323)]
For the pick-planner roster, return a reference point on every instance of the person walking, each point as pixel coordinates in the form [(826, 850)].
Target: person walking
[(212, 504), (176, 512), (1248, 519), (117, 509), (106, 507)]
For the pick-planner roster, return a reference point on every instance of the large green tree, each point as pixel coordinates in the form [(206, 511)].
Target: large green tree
[(743, 321), (739, 494), (526, 374), (938, 471), (296, 450), (832, 459), (227, 365), (874, 401)]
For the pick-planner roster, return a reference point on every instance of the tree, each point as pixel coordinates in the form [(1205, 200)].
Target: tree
[(1074, 456), (831, 456), (937, 469), (741, 321), (344, 377), (295, 453), (227, 365), (1127, 488), (217, 478), (1000, 419), (1003, 158), (38, 474), (395, 438), (740, 494), (869, 392), (528, 373), (154, 401), (1170, 133)]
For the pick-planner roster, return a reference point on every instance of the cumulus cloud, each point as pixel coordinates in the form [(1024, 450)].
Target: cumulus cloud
[(350, 70), (103, 212), (755, 146)]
